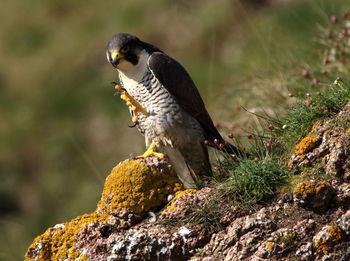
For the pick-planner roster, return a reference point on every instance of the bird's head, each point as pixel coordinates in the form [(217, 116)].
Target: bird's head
[(124, 50)]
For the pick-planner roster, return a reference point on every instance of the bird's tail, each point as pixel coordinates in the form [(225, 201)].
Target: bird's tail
[(190, 166), (184, 173)]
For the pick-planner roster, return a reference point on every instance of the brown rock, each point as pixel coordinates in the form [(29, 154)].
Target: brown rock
[(316, 195)]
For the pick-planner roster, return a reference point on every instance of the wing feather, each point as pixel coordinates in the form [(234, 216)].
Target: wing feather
[(179, 84)]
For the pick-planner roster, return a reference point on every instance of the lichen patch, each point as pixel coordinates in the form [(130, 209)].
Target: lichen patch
[(58, 242), (137, 187)]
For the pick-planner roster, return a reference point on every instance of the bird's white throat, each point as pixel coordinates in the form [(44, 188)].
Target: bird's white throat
[(131, 74)]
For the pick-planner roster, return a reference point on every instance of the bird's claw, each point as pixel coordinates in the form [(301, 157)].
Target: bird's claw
[(118, 90), (134, 125), (131, 102), (150, 152)]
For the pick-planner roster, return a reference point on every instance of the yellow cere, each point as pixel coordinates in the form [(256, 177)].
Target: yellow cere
[(115, 55)]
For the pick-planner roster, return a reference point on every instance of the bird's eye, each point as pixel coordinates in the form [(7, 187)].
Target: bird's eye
[(125, 49)]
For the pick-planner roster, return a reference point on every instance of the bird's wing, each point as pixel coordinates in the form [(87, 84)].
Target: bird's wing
[(179, 84)]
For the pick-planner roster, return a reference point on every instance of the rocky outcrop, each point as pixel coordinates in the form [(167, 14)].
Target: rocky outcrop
[(133, 188), (144, 213), (326, 148)]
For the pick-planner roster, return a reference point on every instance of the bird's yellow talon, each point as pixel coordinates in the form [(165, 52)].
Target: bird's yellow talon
[(151, 153), (131, 102)]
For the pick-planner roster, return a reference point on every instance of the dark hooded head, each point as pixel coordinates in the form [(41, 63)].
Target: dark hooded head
[(126, 47)]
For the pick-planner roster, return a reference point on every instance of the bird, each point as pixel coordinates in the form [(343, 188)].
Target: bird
[(166, 107)]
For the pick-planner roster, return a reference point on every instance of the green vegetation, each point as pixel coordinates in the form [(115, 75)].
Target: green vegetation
[(63, 130), (253, 179), (318, 107), (274, 138)]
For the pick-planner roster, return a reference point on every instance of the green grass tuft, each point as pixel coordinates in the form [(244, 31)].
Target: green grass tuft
[(253, 179), (299, 120)]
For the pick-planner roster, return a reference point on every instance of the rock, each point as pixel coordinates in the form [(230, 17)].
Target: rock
[(241, 237), (138, 186), (182, 203), (316, 195), (133, 188), (305, 251), (329, 142), (343, 194), (326, 238), (344, 222), (144, 213), (58, 242)]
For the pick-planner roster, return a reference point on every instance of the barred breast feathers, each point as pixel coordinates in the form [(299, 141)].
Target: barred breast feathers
[(164, 112)]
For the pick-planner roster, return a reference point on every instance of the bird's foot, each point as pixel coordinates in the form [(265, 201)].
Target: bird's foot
[(131, 102), (150, 152)]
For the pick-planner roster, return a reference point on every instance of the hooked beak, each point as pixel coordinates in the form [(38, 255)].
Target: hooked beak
[(115, 58)]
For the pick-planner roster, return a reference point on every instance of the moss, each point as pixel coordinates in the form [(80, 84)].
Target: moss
[(178, 195), (137, 187), (57, 243), (317, 171), (305, 145)]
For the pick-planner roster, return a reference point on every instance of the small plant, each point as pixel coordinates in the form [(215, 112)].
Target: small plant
[(246, 179), (299, 120), (255, 178), (207, 214), (288, 240)]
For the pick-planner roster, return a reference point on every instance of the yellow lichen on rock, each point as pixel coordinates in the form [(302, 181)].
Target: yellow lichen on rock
[(132, 185), (270, 245), (306, 187), (178, 195), (320, 185), (335, 232), (321, 247), (329, 236), (305, 145), (333, 135), (57, 243), (315, 125), (137, 187), (309, 187)]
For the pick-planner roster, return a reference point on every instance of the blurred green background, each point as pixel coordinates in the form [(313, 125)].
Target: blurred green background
[(62, 130)]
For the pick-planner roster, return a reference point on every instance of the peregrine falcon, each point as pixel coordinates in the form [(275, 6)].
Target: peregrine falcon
[(166, 107)]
